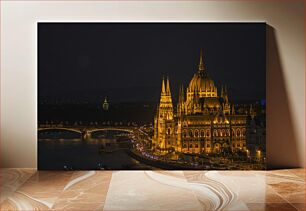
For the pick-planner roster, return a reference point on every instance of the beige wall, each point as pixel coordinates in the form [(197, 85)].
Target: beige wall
[(285, 48)]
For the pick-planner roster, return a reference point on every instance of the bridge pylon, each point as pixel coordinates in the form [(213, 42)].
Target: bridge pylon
[(86, 134)]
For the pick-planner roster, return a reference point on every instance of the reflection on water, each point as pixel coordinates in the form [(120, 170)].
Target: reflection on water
[(104, 150)]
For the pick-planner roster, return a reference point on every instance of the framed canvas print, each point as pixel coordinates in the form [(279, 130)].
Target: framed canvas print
[(146, 96)]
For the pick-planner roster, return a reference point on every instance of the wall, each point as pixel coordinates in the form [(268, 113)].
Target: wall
[(285, 54)]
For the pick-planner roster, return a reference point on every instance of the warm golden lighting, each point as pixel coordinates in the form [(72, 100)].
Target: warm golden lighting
[(258, 153), (201, 104)]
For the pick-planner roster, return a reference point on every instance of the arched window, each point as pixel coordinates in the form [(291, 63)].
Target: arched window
[(196, 133), (228, 132), (169, 131), (202, 133), (190, 146), (233, 132), (184, 133), (184, 146), (223, 133), (207, 133), (190, 133), (196, 146), (219, 133), (215, 133), (243, 131), (238, 132)]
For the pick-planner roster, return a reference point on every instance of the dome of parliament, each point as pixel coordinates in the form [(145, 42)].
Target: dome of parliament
[(201, 82)]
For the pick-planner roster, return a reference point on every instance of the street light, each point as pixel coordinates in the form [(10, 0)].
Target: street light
[(259, 154)]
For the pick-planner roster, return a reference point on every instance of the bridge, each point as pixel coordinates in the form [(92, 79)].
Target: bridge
[(86, 132)]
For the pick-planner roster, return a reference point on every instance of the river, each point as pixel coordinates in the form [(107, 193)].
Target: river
[(63, 150)]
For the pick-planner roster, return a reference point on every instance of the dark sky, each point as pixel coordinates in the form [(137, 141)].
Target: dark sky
[(126, 61)]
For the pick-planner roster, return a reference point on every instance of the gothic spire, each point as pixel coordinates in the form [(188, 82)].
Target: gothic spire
[(222, 91), (168, 87), (181, 94), (201, 64), (233, 109), (163, 87), (225, 94)]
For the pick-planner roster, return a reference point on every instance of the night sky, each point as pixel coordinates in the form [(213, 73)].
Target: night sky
[(126, 61)]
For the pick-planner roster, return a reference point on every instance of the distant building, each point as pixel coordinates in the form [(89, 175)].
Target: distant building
[(204, 121), (256, 135), (105, 105)]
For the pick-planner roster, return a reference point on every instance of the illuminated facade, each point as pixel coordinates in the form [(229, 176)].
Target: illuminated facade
[(203, 121)]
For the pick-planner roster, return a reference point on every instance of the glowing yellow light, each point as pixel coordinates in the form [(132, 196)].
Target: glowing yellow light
[(259, 153)]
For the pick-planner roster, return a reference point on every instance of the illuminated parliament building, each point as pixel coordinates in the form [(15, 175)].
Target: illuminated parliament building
[(204, 121)]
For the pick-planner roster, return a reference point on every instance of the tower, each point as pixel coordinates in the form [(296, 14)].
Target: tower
[(225, 94), (222, 92), (164, 123), (201, 63), (165, 103), (105, 105), (181, 100), (233, 109), (226, 105), (252, 112)]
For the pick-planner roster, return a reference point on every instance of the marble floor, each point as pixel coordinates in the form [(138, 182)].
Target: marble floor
[(28, 189)]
